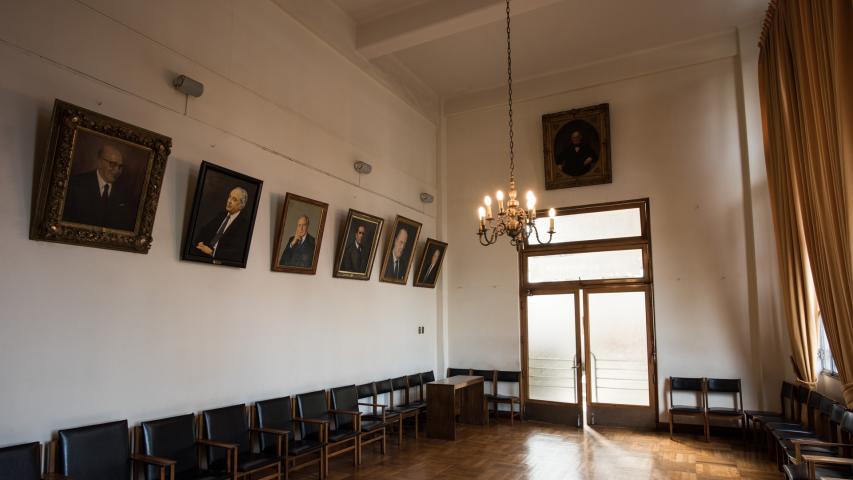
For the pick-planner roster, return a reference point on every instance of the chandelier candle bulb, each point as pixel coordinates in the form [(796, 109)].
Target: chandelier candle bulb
[(488, 201), (500, 196), (551, 214)]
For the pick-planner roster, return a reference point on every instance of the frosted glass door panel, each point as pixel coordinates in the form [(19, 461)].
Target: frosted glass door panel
[(591, 226), (619, 367), (585, 266), (552, 348)]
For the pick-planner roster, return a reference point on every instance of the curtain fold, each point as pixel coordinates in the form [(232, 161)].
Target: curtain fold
[(805, 67)]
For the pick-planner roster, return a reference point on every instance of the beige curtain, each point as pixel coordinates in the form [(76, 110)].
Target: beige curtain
[(806, 80)]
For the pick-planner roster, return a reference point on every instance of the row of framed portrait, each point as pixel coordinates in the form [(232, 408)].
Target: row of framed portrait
[(100, 183)]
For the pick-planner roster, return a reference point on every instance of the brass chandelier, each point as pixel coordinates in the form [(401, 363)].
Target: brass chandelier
[(513, 221)]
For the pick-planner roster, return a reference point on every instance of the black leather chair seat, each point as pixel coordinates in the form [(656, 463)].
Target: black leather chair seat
[(763, 413), (501, 397), (786, 434), (784, 426), (418, 404), (800, 472), (341, 435), (402, 409), (371, 425), (246, 462), (725, 411), (809, 449), (194, 474), (300, 447), (682, 409), (389, 416)]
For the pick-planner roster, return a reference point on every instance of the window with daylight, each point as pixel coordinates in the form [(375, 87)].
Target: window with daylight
[(824, 354)]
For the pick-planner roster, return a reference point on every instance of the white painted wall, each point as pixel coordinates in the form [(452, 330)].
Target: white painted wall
[(89, 335), (676, 137)]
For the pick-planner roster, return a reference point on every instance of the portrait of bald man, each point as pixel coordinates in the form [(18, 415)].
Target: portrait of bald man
[(398, 257), (224, 236), (107, 195)]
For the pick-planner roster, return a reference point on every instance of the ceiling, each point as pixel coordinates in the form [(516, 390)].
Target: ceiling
[(456, 47)]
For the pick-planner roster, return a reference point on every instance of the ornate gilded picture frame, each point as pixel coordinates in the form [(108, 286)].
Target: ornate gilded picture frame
[(299, 236), (357, 246), (577, 147), (429, 267), (223, 217), (400, 250), (99, 183)]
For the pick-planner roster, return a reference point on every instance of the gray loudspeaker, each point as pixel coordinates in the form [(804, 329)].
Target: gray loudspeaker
[(188, 86)]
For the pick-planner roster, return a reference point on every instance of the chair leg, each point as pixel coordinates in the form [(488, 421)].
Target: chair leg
[(359, 446), (400, 430), (670, 425), (511, 411), (707, 429)]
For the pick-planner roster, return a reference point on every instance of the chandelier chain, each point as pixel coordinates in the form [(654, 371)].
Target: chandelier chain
[(509, 89)]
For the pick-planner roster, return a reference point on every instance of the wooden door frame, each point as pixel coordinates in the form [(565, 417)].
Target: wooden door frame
[(525, 356), (651, 353), (644, 242)]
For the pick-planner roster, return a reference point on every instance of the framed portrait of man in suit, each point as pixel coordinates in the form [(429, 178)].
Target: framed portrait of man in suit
[(357, 246), (577, 147), (429, 267), (400, 252), (100, 182), (222, 217), (299, 236)]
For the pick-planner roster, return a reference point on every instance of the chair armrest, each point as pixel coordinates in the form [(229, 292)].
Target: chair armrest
[(377, 405), (824, 460), (317, 421), (346, 412), (213, 443), (800, 442), (158, 461), (271, 431)]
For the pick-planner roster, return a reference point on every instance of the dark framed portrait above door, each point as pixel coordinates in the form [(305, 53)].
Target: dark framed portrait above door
[(577, 147)]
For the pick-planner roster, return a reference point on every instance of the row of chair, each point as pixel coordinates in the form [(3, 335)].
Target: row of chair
[(263, 442), (492, 379), (810, 437), (703, 389)]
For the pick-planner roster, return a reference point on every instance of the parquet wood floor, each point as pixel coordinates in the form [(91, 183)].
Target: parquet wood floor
[(536, 451)]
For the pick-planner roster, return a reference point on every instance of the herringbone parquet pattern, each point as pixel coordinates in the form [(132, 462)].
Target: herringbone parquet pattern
[(536, 451)]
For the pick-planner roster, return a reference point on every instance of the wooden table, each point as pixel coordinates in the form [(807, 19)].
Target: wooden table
[(462, 393)]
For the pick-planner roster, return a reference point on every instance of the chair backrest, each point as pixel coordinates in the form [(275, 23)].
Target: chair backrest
[(311, 405), (813, 409), (366, 390), (21, 462), (786, 397), (687, 384), (399, 384), (95, 452), (345, 398), (274, 413), (172, 438), (489, 384), (416, 383), (427, 377), (847, 426), (452, 372), (508, 376), (731, 386), (835, 419), (229, 425), (383, 387)]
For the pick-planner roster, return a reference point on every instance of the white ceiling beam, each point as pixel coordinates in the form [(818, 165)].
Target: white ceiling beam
[(431, 21)]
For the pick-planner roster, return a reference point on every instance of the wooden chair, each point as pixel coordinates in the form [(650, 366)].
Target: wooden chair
[(174, 439), (836, 467), (379, 411), (97, 452), (347, 415), (489, 389), (688, 385), (415, 393), (228, 436), (511, 377), (23, 462), (754, 418), (729, 387), (315, 406), (389, 387), (276, 415)]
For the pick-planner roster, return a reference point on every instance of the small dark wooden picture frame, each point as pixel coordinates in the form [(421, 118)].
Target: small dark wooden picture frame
[(577, 147), (431, 262), (357, 246), (222, 218), (301, 216), (402, 248), (100, 182)]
